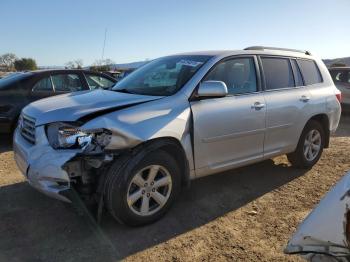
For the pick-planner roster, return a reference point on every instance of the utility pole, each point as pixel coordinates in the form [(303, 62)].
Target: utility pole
[(104, 44)]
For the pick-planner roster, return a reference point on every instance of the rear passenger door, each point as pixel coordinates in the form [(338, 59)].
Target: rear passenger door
[(286, 100)]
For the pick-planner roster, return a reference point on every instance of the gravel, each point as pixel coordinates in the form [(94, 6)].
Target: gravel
[(246, 214)]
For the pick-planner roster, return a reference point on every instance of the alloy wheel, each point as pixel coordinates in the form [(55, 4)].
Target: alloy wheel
[(149, 190), (312, 145)]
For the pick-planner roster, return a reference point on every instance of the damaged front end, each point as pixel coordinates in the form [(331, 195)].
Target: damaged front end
[(325, 234), (63, 156)]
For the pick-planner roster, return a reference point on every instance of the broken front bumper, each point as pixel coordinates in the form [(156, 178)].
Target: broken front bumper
[(42, 165)]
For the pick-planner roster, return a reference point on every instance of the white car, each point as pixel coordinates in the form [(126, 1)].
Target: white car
[(325, 234)]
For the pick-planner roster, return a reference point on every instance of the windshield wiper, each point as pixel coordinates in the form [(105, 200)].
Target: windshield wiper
[(123, 90)]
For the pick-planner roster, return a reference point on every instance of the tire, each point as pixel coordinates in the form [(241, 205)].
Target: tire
[(122, 186), (299, 158)]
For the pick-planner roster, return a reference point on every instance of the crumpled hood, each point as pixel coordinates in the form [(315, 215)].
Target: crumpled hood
[(72, 106)]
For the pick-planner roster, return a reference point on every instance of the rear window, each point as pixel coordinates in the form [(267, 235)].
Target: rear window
[(13, 78), (278, 73), (310, 72)]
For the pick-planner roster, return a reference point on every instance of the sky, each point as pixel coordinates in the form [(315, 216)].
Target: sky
[(57, 31)]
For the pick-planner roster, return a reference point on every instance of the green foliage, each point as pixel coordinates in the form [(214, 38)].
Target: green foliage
[(24, 64)]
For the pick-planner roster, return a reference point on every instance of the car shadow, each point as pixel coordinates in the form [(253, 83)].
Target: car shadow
[(34, 225), (207, 199), (5, 143)]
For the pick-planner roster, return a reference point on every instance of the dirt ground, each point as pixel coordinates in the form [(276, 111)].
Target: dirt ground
[(242, 215)]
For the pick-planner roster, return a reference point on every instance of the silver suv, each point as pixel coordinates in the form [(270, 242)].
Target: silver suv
[(175, 119)]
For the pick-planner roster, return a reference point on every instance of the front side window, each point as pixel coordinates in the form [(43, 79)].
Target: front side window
[(238, 74), (43, 85), (67, 83), (309, 71), (97, 81), (163, 76), (278, 73)]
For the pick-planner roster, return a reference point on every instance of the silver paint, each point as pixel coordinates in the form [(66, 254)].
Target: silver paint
[(212, 89), (228, 132)]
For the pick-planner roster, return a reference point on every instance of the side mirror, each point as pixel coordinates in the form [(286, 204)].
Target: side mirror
[(212, 89)]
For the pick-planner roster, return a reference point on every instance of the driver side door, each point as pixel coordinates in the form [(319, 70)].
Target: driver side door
[(229, 131)]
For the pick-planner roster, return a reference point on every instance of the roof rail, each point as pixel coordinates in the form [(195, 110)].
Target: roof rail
[(276, 48)]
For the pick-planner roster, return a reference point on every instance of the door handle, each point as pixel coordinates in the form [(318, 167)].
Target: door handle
[(258, 106), (305, 99)]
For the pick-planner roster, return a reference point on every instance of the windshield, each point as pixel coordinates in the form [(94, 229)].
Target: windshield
[(163, 76)]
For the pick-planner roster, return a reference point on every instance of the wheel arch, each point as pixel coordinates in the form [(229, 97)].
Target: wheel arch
[(172, 146), (324, 121)]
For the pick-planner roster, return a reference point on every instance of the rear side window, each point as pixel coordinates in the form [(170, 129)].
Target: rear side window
[(43, 85), (278, 73), (310, 72), (297, 75)]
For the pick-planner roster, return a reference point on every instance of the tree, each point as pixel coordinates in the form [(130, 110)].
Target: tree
[(76, 64), (79, 63), (7, 61), (24, 64), (102, 65)]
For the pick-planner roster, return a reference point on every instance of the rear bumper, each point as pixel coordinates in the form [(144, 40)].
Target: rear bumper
[(42, 165)]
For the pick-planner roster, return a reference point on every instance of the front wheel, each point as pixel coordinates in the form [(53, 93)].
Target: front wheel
[(310, 146), (144, 190)]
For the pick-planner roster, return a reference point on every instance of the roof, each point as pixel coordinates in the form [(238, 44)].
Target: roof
[(258, 51), (45, 71), (60, 70), (339, 67)]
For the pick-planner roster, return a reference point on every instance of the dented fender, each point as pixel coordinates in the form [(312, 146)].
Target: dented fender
[(144, 122), (45, 167)]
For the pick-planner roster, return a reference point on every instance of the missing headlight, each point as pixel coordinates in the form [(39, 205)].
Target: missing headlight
[(70, 136)]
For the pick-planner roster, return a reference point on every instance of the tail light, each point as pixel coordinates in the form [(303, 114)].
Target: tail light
[(338, 95)]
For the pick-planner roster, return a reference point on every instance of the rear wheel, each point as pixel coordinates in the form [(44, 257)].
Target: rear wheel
[(310, 146), (144, 190)]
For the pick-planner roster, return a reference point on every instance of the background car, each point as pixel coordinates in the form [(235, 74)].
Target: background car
[(341, 78), (18, 90), (324, 235)]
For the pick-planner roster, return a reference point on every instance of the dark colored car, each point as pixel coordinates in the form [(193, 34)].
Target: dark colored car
[(20, 89), (341, 78)]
